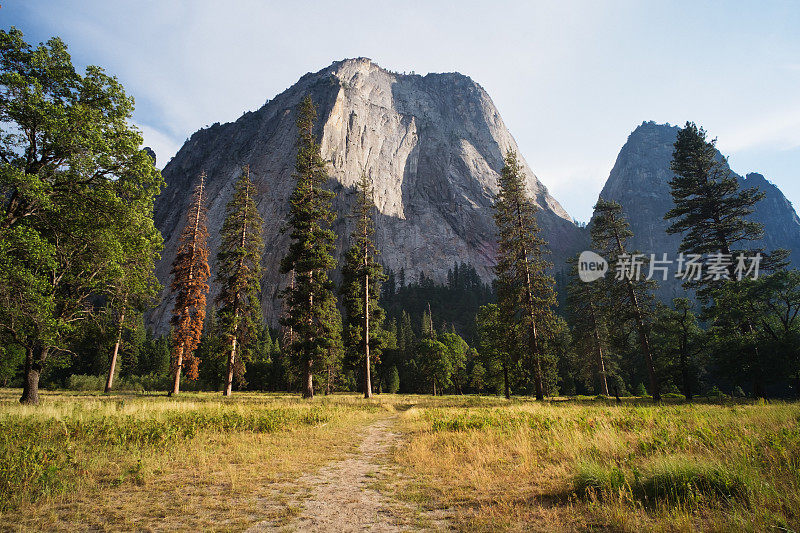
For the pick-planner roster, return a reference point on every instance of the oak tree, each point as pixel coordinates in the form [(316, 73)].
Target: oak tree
[(75, 188)]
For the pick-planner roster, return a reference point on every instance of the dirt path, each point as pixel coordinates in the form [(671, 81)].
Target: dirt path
[(342, 497)]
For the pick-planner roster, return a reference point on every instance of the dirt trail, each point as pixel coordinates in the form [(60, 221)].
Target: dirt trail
[(341, 498)]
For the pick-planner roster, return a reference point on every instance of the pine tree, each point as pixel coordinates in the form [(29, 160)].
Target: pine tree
[(426, 325), (239, 274), (310, 302), (680, 340), (588, 325), (711, 213), (525, 291), (212, 351), (710, 210), (190, 272), (630, 297), (361, 287), (495, 347)]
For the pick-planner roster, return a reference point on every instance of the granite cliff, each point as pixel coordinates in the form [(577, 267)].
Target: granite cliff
[(640, 179), (433, 146)]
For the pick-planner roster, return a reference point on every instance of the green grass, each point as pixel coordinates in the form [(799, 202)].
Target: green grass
[(668, 480)]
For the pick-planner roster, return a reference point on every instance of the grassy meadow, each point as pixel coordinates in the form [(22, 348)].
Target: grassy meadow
[(201, 462)]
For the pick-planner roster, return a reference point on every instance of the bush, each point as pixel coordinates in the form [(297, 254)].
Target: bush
[(684, 479), (640, 390), (150, 382), (668, 479), (716, 393), (80, 382), (594, 477), (674, 395)]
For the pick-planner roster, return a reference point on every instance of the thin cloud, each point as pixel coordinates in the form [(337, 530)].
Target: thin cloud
[(780, 131)]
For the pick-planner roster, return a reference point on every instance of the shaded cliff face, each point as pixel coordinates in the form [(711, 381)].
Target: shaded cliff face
[(433, 147), (640, 179)]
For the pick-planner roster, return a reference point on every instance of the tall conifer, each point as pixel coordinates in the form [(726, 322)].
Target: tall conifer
[(362, 276), (525, 291), (630, 297), (190, 273), (588, 322), (711, 213), (310, 301), (239, 275), (710, 210)]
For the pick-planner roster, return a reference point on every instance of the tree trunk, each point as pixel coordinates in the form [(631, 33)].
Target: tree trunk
[(367, 376), (231, 361), (644, 341), (34, 362), (533, 337), (176, 380), (308, 389), (601, 365), (113, 366), (687, 385), (505, 381), (602, 368), (328, 382), (434, 386)]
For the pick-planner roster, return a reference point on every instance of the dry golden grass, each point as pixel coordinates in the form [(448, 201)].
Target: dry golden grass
[(212, 480), (200, 462), (516, 466)]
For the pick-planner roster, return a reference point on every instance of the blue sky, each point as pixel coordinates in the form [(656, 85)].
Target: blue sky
[(571, 79)]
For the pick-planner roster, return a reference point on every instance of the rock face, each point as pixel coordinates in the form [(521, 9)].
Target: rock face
[(433, 146), (640, 179)]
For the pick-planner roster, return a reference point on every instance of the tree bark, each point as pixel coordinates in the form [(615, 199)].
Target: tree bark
[(113, 366), (308, 390), (687, 385), (532, 335), (34, 362), (505, 381), (644, 341), (601, 365), (367, 376), (231, 361), (176, 379)]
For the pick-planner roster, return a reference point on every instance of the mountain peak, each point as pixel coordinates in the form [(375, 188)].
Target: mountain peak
[(432, 145)]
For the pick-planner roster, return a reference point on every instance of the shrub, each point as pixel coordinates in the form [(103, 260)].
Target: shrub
[(716, 393), (666, 480), (685, 479), (594, 477), (81, 382), (150, 382)]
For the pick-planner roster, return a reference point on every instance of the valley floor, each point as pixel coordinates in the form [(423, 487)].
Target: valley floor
[(263, 462)]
